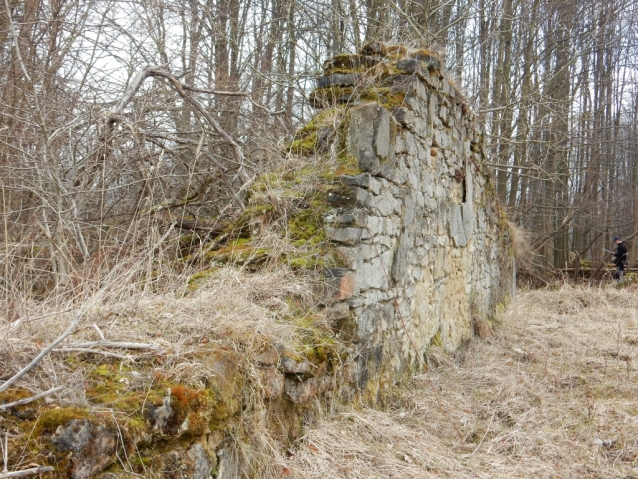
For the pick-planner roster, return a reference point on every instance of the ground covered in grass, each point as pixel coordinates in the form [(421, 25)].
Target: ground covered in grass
[(552, 392)]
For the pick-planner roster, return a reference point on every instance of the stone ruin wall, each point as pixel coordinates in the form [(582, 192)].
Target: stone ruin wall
[(419, 231), (421, 251)]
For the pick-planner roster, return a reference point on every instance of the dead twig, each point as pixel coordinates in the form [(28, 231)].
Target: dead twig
[(30, 399), (26, 472), (113, 344), (95, 351), (47, 350)]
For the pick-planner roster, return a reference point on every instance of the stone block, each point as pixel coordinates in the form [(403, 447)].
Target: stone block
[(228, 464), (469, 220), (301, 392), (348, 236), (340, 283), (270, 357), (469, 181), (347, 196), (375, 185), (445, 86), (411, 65), (403, 116), (443, 115), (457, 232), (291, 363), (362, 181), (375, 274), (430, 61), (433, 108), (338, 79), (198, 462), (338, 311), (370, 138), (382, 137), (93, 445), (343, 217)]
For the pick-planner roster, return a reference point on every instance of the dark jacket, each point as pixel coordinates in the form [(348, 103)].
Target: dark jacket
[(620, 256)]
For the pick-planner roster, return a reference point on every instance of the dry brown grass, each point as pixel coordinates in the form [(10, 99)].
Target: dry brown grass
[(551, 395), (234, 308)]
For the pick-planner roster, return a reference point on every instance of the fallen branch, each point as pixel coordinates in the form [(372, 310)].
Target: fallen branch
[(28, 400), (26, 472), (112, 344), (46, 351), (99, 332), (95, 351)]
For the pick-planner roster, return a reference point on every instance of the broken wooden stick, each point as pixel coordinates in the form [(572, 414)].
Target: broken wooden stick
[(112, 344), (47, 350), (95, 351), (30, 399), (26, 472)]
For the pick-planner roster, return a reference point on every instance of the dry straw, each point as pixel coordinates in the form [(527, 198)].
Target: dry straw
[(141, 301), (551, 395)]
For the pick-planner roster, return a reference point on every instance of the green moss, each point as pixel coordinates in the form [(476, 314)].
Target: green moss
[(306, 140), (385, 96), (321, 353), (348, 165), (200, 278), (309, 261), (437, 340), (52, 418), (348, 63), (502, 305), (14, 394), (238, 255), (308, 224), (240, 227)]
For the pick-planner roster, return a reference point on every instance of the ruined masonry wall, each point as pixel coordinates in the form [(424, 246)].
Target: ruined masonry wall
[(422, 252), (418, 229)]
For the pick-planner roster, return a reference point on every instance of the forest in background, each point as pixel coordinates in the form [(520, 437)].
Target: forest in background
[(126, 125)]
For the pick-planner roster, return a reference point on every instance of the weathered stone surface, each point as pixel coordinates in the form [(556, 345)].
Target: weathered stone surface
[(92, 443), (338, 311), (411, 66), (302, 392), (457, 232), (424, 258), (338, 79), (362, 181), (272, 381), (290, 364), (428, 59), (228, 464), (404, 116), (269, 357), (374, 49), (469, 220), (200, 463), (369, 137), (349, 236), (159, 416), (340, 283), (346, 217)]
